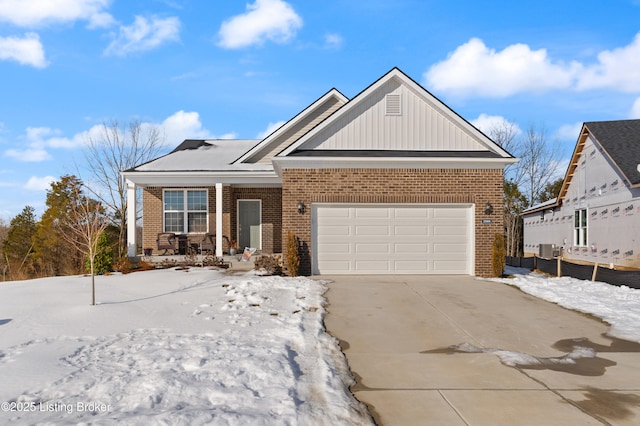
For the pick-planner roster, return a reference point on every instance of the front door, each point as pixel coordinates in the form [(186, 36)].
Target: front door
[(249, 227)]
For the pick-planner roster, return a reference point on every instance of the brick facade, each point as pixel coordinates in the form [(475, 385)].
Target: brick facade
[(271, 215), (477, 186)]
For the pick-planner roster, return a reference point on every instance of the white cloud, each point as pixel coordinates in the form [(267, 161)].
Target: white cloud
[(273, 20), (39, 183), (30, 155), (38, 141), (617, 69), (475, 69), (144, 34), (26, 51), (568, 132), (487, 123), (187, 125), (33, 13), (333, 41), (272, 127), (635, 109), (101, 20)]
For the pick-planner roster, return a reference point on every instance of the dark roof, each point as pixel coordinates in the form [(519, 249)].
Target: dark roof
[(621, 141), (189, 144), (391, 153)]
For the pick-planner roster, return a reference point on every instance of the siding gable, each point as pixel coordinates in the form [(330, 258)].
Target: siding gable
[(294, 128), (419, 122)]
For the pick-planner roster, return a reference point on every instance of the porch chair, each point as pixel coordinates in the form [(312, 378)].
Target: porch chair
[(167, 241), (208, 243)]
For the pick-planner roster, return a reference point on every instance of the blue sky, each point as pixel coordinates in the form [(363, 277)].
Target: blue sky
[(208, 69)]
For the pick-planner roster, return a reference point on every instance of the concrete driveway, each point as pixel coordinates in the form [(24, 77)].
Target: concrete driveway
[(436, 350)]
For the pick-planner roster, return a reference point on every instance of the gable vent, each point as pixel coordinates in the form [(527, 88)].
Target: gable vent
[(392, 104)]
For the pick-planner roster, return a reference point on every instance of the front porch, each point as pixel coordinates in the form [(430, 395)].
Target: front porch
[(231, 215)]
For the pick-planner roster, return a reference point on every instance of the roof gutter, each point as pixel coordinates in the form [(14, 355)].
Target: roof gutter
[(200, 178)]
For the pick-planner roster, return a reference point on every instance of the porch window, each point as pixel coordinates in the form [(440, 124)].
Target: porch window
[(580, 228), (185, 210)]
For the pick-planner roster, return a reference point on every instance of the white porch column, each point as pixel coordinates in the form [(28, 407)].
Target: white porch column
[(131, 219), (218, 219)]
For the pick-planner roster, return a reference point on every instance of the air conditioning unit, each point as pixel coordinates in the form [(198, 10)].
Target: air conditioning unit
[(549, 251)]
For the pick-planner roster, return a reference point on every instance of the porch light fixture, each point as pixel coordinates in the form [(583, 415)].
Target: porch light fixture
[(301, 207), (488, 209)]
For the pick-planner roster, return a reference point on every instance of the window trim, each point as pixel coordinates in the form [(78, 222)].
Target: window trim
[(185, 211), (580, 232)]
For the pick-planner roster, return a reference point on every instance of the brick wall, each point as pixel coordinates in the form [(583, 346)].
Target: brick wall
[(271, 215), (477, 186)]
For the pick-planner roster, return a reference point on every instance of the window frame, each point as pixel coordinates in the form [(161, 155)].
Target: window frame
[(580, 228), (185, 210)]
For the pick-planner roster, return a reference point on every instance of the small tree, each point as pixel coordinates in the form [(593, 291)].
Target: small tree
[(83, 225), (498, 254), (293, 257)]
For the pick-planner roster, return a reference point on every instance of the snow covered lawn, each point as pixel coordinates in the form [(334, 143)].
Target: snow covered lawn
[(172, 347), (618, 306)]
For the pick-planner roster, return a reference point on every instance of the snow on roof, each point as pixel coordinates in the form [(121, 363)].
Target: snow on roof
[(541, 206), (205, 155)]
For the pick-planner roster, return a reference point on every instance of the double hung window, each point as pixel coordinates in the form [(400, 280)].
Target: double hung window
[(185, 210), (580, 228)]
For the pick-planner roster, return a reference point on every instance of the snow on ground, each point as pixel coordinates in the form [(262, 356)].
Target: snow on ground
[(171, 347), (618, 306)]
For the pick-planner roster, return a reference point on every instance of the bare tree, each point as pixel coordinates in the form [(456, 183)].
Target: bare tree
[(112, 152), (526, 180), (82, 227), (505, 133), (538, 164)]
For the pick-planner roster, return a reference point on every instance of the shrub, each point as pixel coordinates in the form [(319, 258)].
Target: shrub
[(498, 255), (103, 262), (293, 257), (270, 264), (123, 265)]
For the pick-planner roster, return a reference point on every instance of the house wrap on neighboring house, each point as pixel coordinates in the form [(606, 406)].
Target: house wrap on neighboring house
[(596, 217), (390, 182)]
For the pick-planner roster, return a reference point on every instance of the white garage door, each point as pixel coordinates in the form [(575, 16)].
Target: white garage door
[(392, 239)]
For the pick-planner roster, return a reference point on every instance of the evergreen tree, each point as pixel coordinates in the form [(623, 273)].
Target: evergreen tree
[(551, 190), (17, 248), (54, 254)]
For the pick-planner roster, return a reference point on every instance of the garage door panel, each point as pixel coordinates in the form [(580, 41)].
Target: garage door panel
[(445, 231), (394, 239), (372, 248), (411, 230), (448, 248), (367, 266), (449, 212), (335, 212), (450, 266), (340, 230), (342, 248), (411, 213), (412, 266), (411, 249), (373, 212), (378, 230)]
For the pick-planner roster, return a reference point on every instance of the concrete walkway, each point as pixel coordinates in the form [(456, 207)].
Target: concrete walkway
[(396, 332)]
